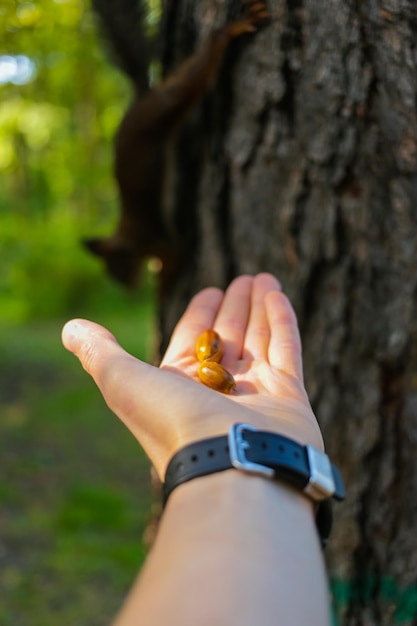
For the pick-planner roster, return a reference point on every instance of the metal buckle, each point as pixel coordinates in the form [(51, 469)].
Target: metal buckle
[(321, 484), (237, 450)]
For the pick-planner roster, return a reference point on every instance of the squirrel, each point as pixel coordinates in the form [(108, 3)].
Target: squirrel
[(147, 130)]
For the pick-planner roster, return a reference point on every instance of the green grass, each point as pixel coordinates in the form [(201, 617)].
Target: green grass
[(74, 484)]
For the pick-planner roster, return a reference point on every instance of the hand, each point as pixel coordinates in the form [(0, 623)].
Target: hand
[(166, 408)]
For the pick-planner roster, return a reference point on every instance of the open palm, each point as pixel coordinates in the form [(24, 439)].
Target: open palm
[(262, 351)]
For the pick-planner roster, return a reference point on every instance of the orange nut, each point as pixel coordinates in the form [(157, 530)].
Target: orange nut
[(209, 346), (216, 376)]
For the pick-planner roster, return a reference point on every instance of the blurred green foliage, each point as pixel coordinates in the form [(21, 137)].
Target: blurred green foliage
[(74, 484), (56, 130)]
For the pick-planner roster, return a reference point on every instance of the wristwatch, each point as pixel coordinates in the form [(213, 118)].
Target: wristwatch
[(267, 454)]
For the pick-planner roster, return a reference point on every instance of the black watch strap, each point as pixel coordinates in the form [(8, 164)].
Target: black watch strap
[(266, 453)]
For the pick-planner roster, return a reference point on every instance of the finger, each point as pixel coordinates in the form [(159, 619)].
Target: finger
[(141, 395), (117, 374), (232, 318), (285, 344), (127, 384), (199, 315), (103, 358), (258, 330)]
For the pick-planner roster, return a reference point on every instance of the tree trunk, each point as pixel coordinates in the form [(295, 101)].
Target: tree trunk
[(303, 162)]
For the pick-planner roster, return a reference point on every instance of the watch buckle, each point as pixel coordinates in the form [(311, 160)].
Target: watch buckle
[(321, 484), (237, 451)]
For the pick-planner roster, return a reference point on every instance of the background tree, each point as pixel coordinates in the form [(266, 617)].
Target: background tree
[(303, 162)]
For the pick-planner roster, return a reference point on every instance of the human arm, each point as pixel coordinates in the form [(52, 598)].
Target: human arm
[(231, 548)]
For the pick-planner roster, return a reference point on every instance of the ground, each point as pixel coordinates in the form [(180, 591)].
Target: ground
[(74, 484)]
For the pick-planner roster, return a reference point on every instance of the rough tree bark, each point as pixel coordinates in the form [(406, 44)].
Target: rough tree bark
[(303, 162)]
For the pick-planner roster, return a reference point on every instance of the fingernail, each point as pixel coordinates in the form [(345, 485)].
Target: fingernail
[(70, 336)]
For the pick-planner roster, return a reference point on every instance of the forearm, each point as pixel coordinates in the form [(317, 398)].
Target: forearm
[(232, 549)]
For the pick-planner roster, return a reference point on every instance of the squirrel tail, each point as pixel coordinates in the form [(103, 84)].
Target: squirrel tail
[(123, 26)]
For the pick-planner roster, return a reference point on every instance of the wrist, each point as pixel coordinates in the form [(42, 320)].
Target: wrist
[(265, 454), (232, 494), (231, 488)]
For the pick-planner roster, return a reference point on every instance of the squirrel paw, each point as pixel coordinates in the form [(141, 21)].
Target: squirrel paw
[(256, 13)]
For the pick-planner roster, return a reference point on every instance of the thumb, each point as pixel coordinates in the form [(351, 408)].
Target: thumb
[(94, 345), (118, 375), (74, 333), (141, 395)]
